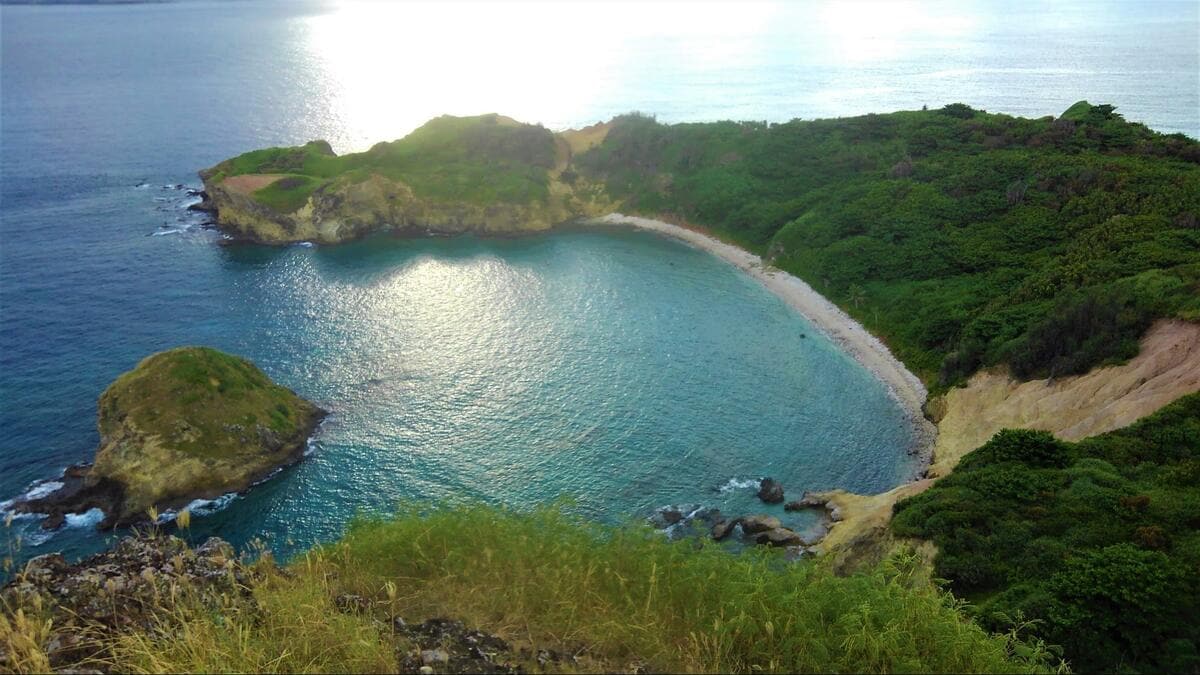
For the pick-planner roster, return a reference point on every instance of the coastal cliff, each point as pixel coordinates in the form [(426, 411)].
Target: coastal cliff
[(488, 175), (185, 424)]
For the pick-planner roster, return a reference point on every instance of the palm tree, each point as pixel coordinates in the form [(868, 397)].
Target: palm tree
[(857, 295)]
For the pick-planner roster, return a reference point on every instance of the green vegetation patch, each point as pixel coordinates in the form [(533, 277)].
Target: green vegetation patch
[(204, 403), (965, 239), (481, 160), (1099, 540), (288, 193)]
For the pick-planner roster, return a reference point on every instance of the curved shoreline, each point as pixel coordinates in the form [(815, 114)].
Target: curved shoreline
[(903, 386)]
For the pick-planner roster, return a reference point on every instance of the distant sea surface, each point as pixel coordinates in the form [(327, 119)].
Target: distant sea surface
[(618, 370)]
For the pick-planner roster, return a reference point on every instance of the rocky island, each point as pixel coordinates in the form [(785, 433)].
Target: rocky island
[(185, 424)]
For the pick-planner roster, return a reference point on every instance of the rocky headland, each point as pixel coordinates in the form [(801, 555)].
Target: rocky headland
[(185, 424), (488, 174)]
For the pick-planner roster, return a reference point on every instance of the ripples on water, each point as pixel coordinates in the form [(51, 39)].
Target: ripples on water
[(618, 370)]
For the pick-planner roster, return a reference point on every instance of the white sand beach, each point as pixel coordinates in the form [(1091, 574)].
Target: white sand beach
[(847, 333)]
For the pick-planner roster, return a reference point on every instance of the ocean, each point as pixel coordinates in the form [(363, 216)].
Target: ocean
[(616, 372)]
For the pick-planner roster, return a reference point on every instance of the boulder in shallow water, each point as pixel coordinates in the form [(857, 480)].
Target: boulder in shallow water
[(779, 536), (770, 491), (723, 528), (759, 523)]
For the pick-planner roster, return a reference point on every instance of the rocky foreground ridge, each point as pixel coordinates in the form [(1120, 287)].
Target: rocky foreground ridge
[(133, 587), (185, 424)]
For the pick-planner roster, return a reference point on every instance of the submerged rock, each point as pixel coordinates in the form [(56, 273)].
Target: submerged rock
[(185, 424), (770, 491)]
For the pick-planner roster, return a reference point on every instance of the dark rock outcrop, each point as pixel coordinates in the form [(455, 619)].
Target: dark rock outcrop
[(723, 528), (759, 523), (770, 491), (778, 536)]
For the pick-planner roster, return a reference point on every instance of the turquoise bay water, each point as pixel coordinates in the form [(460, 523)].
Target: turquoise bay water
[(617, 369)]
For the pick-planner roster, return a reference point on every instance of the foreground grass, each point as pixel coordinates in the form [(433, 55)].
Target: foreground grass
[(614, 599)]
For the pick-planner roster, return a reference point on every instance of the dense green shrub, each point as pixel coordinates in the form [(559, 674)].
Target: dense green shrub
[(1098, 540)]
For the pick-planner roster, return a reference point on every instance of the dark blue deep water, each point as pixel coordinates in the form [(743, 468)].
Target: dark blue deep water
[(618, 369)]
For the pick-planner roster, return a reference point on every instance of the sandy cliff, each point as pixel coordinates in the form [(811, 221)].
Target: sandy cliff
[(1072, 408)]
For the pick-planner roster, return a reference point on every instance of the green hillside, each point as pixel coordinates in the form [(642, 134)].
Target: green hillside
[(963, 238), (474, 159), (1098, 541)]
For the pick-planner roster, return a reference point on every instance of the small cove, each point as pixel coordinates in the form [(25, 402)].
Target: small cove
[(618, 371)]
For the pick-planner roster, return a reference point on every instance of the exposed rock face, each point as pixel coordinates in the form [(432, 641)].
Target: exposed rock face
[(1167, 366), (770, 491), (120, 589), (760, 523), (778, 536), (349, 209), (189, 423), (384, 190)]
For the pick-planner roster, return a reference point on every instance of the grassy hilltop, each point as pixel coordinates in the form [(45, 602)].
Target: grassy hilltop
[(486, 174), (552, 592)]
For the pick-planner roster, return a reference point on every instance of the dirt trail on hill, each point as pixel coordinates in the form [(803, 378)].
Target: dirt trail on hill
[(250, 183)]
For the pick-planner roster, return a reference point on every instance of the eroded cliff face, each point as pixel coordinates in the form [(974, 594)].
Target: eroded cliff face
[(346, 210), (1167, 367), (1071, 408), (363, 202)]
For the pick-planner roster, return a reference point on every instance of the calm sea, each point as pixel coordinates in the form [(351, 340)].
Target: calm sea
[(620, 370)]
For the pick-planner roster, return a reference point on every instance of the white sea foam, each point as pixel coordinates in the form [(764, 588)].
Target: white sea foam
[(163, 233), (35, 490), (207, 507), (739, 484), (312, 445), (38, 537), (305, 244), (41, 489), (199, 507), (89, 518), (267, 477)]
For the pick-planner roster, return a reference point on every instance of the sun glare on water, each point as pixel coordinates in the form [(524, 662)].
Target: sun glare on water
[(391, 66)]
